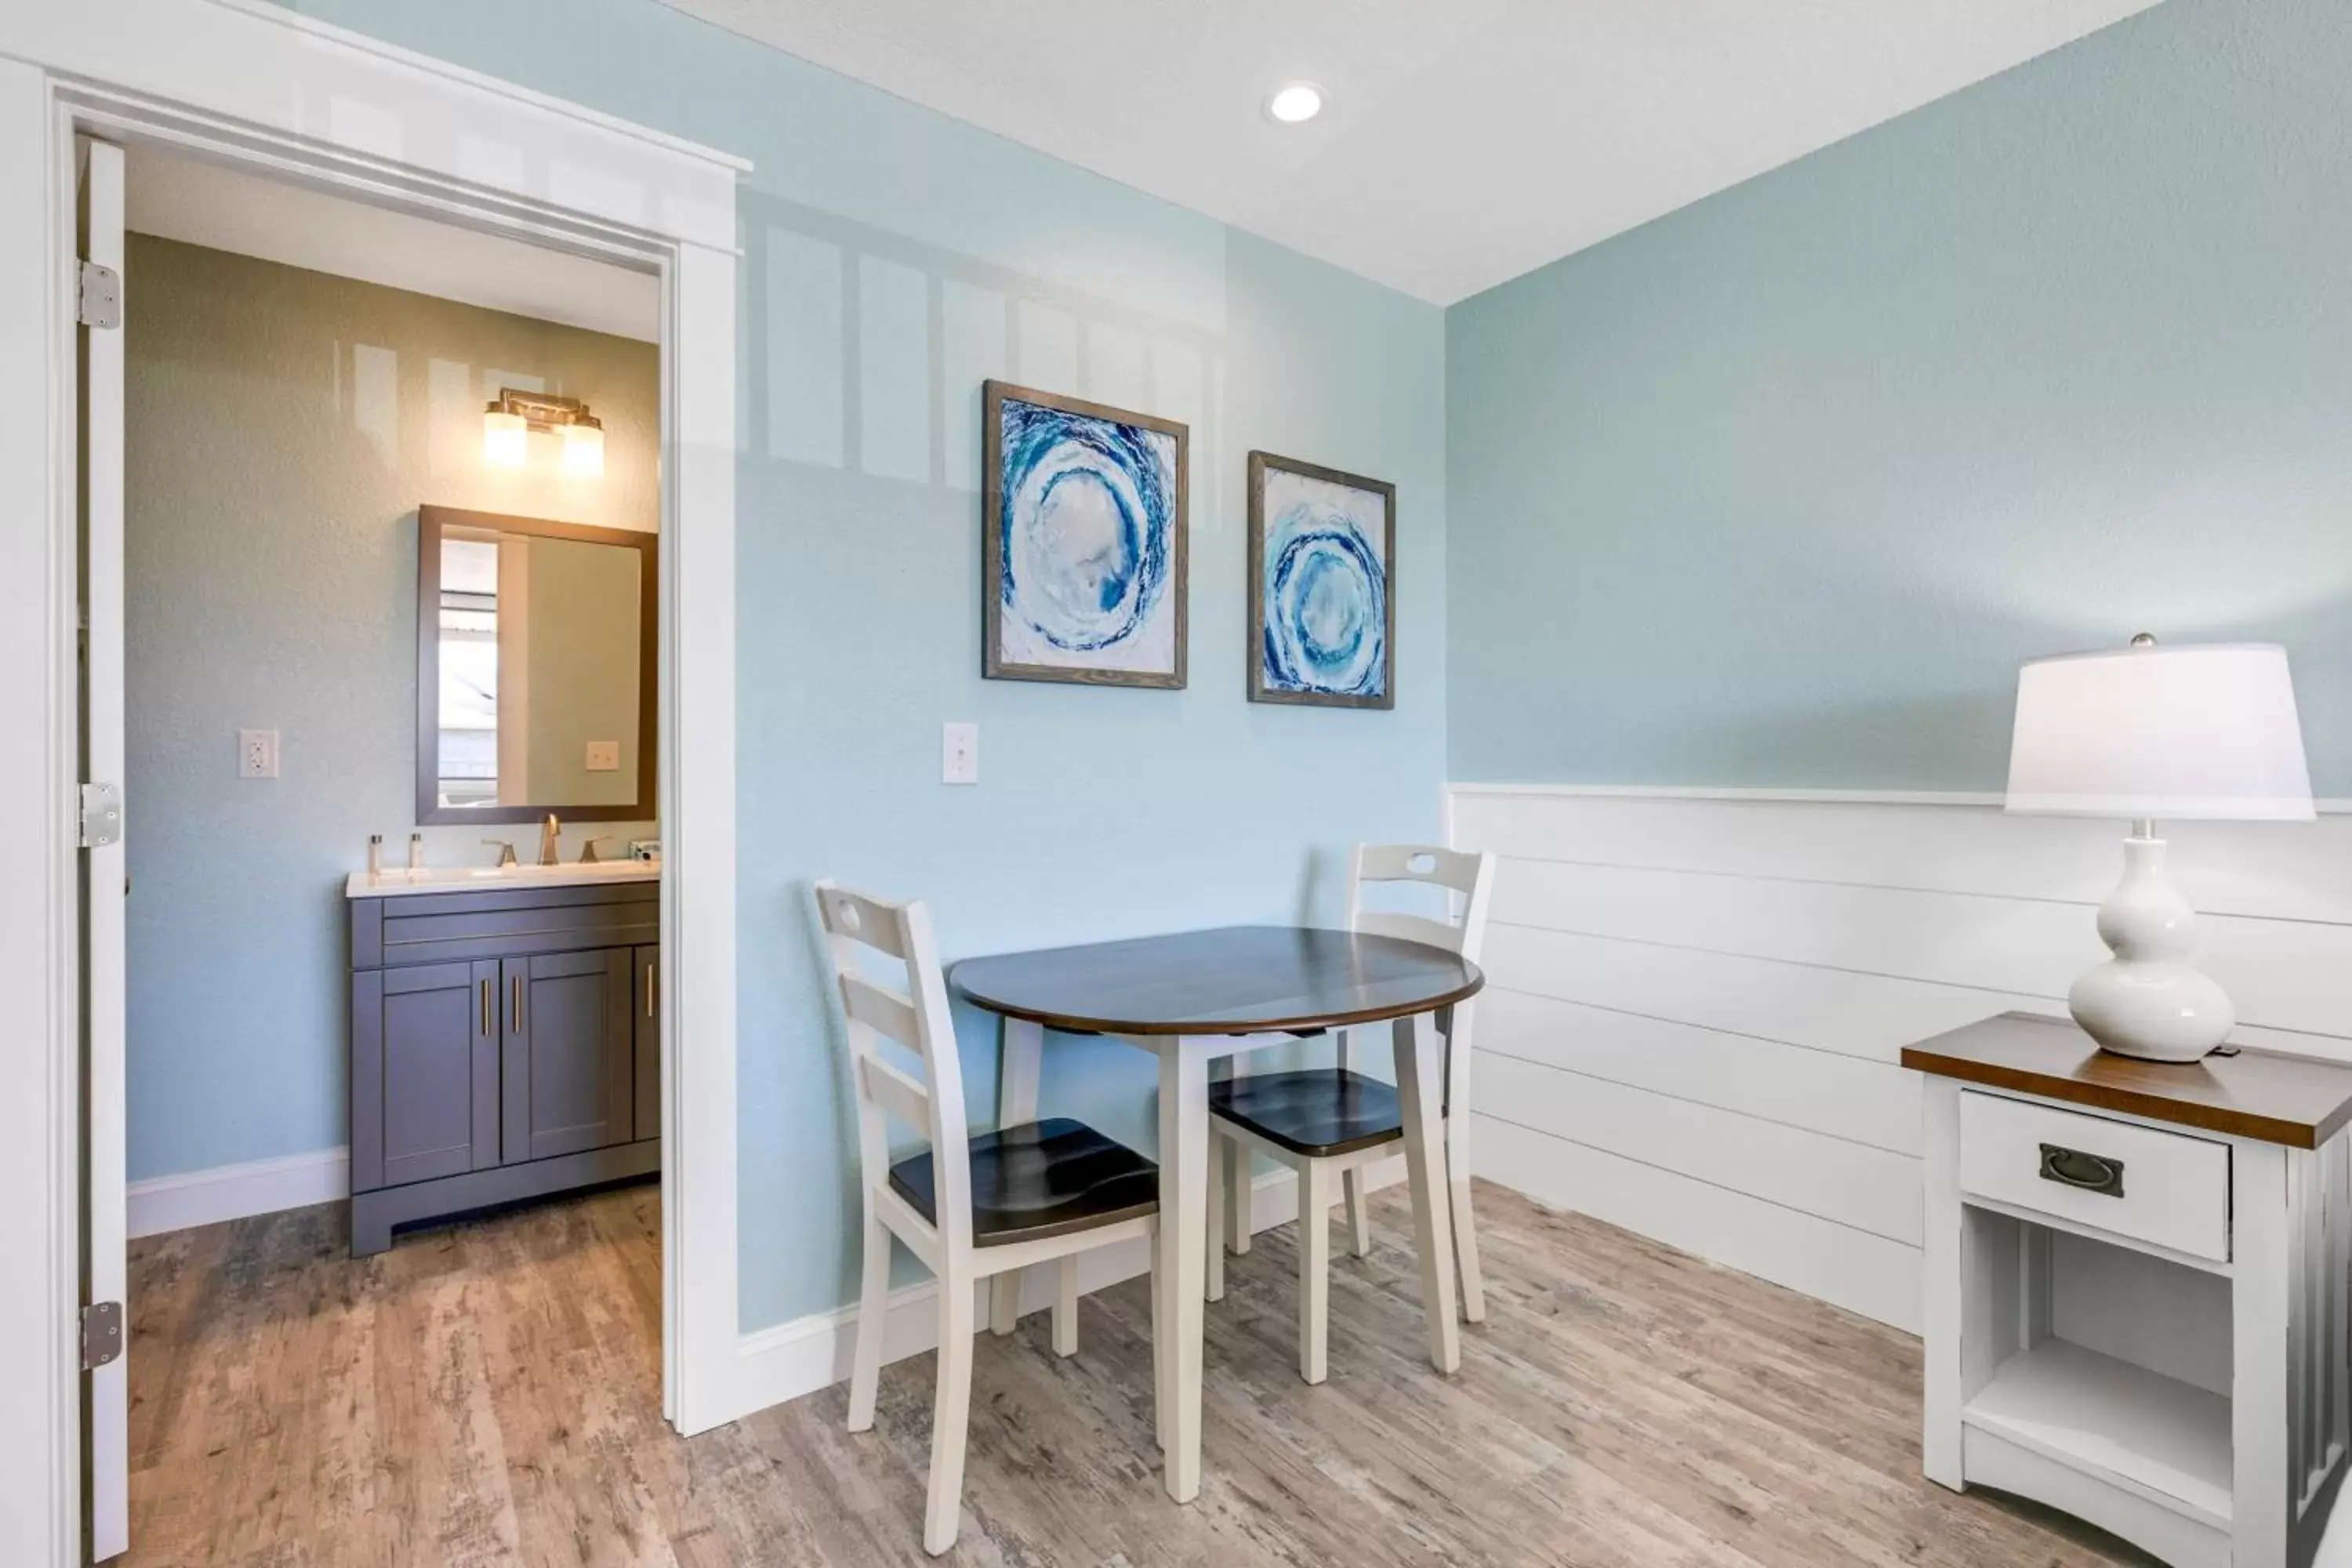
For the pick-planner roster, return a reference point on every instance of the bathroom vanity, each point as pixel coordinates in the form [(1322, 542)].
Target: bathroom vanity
[(505, 1038)]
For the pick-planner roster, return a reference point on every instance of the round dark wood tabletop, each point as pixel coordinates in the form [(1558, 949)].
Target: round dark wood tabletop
[(1237, 980)]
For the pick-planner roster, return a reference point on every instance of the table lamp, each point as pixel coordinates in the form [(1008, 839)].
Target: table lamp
[(2138, 734)]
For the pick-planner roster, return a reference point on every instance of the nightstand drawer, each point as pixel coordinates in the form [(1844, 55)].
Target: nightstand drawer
[(2162, 1187)]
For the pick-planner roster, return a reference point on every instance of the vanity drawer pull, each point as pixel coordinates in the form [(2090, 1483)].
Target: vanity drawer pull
[(488, 1028), (2083, 1171), (514, 996)]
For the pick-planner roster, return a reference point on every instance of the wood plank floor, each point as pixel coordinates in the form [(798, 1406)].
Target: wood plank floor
[(488, 1394)]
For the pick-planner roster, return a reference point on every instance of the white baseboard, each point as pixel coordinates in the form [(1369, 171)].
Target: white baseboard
[(789, 1359), (234, 1191)]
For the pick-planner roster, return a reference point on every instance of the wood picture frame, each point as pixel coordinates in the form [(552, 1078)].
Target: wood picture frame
[(1172, 598), (432, 524), (1261, 659)]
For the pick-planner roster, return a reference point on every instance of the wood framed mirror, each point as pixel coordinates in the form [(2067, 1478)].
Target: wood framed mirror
[(535, 670)]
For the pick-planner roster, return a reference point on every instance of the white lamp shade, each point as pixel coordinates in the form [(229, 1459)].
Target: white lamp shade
[(2146, 734)]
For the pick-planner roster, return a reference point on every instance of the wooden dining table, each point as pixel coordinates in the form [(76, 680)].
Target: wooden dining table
[(1195, 997)]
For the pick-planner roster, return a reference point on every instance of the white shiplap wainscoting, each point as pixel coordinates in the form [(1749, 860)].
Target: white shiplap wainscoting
[(1696, 1001)]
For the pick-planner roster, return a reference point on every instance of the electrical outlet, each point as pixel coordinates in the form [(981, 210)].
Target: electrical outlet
[(604, 757), (257, 754), (960, 754)]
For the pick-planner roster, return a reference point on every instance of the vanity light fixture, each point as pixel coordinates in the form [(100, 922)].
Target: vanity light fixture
[(508, 422), (505, 438), (1295, 103), (583, 449)]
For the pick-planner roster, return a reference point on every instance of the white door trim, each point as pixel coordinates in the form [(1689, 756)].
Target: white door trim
[(274, 92)]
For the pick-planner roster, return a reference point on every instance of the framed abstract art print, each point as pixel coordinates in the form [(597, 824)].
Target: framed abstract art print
[(1082, 542), (1322, 585)]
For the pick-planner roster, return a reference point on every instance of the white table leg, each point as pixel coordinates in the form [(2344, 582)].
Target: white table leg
[(1418, 1088), (1184, 1242), (1020, 1055), (1163, 1340)]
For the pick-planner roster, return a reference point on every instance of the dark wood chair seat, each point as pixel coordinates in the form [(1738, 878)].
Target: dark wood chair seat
[(1319, 1112), (1040, 1179)]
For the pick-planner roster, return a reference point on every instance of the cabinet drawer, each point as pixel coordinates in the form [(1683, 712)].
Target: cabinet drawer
[(501, 922), (2160, 1187)]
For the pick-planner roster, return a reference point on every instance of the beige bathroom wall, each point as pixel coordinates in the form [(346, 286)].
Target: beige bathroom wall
[(282, 428)]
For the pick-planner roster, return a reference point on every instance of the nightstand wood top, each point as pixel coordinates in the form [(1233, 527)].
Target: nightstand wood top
[(2268, 1096)]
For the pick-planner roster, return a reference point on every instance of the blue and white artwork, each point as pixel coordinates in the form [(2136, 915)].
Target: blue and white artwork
[(1086, 543), (1320, 542)]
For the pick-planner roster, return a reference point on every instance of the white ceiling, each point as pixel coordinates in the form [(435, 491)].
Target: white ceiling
[(1465, 141), (171, 194)]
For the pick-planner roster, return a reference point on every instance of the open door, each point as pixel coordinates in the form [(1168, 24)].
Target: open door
[(105, 882)]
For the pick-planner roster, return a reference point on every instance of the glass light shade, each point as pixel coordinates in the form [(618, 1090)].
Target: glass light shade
[(2146, 734), (506, 439), (584, 451)]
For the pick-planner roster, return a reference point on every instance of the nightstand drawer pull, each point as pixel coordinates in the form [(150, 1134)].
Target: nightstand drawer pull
[(2088, 1173)]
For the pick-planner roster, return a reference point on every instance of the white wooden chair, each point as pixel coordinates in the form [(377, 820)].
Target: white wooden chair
[(1331, 1121), (973, 1205)]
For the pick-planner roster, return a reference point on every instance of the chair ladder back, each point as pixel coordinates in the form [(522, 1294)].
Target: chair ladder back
[(917, 1019), (1465, 874), (1460, 872), (1480, 895), (1426, 930)]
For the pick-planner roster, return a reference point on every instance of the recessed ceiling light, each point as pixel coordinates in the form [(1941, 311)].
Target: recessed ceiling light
[(1294, 102)]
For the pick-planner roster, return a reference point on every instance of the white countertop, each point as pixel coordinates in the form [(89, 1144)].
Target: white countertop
[(395, 884)]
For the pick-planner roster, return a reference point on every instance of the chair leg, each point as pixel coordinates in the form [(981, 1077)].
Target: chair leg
[(1238, 1216), (873, 1309), (950, 1413), (1215, 1290), (1065, 1307), (1465, 1248), (1360, 1215), (1314, 1268), (1160, 1358), (1005, 1303)]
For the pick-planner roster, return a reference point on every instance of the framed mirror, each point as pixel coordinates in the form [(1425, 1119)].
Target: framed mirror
[(534, 669)]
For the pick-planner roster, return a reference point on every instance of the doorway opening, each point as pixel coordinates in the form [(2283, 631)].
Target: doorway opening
[(372, 617)]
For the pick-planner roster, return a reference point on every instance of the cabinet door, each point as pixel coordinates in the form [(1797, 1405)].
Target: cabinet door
[(648, 1100), (567, 1053), (425, 1065)]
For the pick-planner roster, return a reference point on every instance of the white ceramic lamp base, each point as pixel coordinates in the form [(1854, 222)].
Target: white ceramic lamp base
[(2147, 1001)]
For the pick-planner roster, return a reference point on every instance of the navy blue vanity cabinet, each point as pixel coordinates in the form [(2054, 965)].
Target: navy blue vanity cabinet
[(504, 1045)]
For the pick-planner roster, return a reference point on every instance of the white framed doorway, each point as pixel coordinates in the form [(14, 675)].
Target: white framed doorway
[(249, 84)]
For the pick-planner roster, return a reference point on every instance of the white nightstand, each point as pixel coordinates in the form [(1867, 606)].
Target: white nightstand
[(2136, 1293)]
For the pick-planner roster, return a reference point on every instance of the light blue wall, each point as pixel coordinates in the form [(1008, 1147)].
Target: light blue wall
[(1779, 489), (893, 258)]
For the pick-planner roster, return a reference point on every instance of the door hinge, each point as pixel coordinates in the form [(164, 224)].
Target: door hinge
[(102, 1335), (101, 815), (98, 302)]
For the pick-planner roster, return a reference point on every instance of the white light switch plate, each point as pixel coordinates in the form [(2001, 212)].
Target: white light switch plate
[(960, 754), (604, 757), (257, 754)]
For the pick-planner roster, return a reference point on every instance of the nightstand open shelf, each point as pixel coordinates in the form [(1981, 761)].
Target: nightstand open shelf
[(2116, 1421)]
